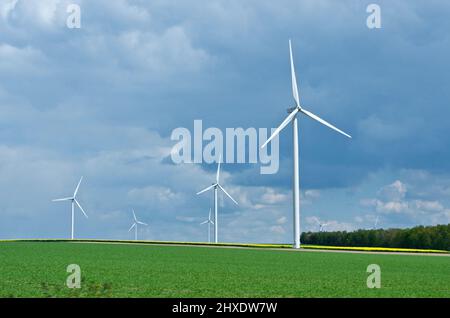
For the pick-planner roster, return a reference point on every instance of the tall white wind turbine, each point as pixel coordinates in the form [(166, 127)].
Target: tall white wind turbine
[(74, 201), (217, 186), (292, 118), (209, 221), (135, 225)]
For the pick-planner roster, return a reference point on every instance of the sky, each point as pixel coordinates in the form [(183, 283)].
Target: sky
[(102, 100)]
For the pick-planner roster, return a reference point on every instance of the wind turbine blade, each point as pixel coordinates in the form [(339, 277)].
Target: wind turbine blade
[(134, 224), (280, 128), (294, 78), (224, 191), (141, 223), (209, 215), (320, 120), (134, 215), (204, 222), (206, 189), (63, 199), (78, 186), (81, 208), (218, 169)]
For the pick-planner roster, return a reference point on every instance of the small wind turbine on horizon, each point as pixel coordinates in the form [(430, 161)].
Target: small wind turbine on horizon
[(74, 201), (135, 225), (376, 222), (217, 186), (209, 221), (321, 225), (292, 118)]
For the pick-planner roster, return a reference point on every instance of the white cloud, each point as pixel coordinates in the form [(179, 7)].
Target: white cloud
[(42, 15), (334, 225), (282, 220), (395, 200), (312, 194), (386, 207), (188, 219), (6, 7), (17, 60), (387, 130), (277, 229), (432, 206), (271, 196), (120, 11), (394, 192), (392, 206), (155, 195), (163, 53)]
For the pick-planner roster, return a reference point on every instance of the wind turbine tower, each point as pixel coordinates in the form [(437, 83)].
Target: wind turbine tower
[(73, 200), (216, 186), (292, 118), (209, 221), (135, 225)]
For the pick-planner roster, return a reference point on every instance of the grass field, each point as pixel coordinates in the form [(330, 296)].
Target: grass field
[(38, 269)]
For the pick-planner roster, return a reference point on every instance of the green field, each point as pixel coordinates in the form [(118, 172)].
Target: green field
[(38, 269)]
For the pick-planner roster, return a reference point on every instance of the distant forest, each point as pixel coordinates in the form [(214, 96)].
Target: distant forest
[(425, 237)]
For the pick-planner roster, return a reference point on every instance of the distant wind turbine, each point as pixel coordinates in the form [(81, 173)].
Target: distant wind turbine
[(376, 222), (292, 118), (135, 225), (216, 186), (74, 201), (209, 221), (321, 225)]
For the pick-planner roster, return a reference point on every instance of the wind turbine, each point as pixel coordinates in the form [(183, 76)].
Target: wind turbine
[(376, 223), (135, 225), (209, 222), (321, 225), (74, 201), (217, 186), (292, 118)]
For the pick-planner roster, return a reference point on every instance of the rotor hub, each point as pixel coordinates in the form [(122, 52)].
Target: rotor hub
[(291, 109)]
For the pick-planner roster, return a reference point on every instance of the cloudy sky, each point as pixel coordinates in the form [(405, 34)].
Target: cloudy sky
[(102, 101)]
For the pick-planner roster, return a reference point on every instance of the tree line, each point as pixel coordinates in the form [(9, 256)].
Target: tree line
[(424, 237)]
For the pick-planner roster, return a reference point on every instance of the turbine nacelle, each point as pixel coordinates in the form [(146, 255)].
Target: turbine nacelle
[(217, 185), (73, 198), (209, 220), (291, 109)]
